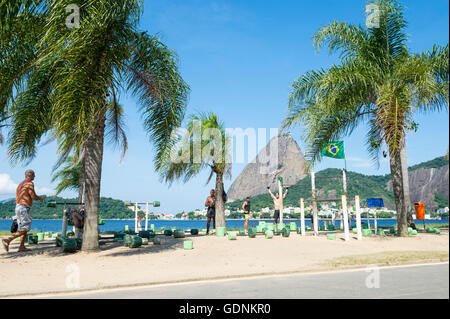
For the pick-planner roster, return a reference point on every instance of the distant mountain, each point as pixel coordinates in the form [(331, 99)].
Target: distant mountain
[(6, 200), (429, 183), (288, 163)]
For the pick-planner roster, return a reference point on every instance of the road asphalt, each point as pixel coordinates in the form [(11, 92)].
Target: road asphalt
[(413, 281)]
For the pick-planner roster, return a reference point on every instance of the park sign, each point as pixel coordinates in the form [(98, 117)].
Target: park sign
[(375, 202), (334, 150)]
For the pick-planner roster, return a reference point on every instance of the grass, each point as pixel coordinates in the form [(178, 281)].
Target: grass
[(388, 258)]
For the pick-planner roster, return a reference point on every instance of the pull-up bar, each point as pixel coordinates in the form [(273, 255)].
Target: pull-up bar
[(136, 205)]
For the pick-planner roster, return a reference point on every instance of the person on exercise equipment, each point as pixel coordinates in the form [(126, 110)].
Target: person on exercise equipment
[(78, 221), (247, 214), (277, 203), (211, 214), (25, 195)]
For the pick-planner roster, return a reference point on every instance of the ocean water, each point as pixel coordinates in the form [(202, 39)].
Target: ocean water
[(118, 225)]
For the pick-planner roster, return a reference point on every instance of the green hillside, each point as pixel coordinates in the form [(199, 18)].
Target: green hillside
[(109, 208), (357, 184), (434, 163)]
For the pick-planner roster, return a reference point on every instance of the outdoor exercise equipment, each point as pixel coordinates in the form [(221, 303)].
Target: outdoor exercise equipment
[(315, 201), (232, 235), (66, 212), (168, 232), (178, 233), (188, 244), (135, 241), (373, 203), (220, 231), (344, 221), (268, 234), (136, 210)]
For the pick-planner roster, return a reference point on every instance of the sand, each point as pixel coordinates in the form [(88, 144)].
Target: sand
[(46, 269)]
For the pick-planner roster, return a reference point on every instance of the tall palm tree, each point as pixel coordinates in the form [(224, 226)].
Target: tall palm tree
[(68, 77), (204, 146), (379, 84)]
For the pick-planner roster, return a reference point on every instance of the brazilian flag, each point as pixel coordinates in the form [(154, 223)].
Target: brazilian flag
[(334, 150)]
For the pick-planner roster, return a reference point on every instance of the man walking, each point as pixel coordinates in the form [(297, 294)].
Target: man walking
[(25, 195), (277, 204), (211, 214)]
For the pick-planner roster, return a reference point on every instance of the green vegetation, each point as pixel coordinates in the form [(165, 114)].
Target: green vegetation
[(109, 209), (388, 258), (357, 184), (434, 163), (440, 200)]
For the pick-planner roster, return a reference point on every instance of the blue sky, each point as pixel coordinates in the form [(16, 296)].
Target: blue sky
[(239, 58)]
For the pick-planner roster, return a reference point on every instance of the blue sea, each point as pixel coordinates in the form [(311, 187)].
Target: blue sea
[(118, 225)]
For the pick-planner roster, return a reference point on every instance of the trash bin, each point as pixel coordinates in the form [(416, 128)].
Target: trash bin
[(420, 210)]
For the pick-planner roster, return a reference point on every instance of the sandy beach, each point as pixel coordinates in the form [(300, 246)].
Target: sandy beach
[(47, 269)]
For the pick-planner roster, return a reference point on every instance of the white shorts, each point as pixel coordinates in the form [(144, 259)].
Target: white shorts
[(23, 217)]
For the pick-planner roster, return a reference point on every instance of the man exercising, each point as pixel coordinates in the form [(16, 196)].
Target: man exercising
[(211, 214), (277, 204), (246, 209), (25, 195)]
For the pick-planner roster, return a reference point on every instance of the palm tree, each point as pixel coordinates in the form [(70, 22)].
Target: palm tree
[(67, 78), (379, 84), (205, 145), (70, 176)]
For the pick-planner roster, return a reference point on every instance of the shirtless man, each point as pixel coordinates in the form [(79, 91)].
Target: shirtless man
[(277, 204), (24, 199), (211, 204)]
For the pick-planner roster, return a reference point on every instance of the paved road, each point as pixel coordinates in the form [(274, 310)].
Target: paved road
[(424, 281)]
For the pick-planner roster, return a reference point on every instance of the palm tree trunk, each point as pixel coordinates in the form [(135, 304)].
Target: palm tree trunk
[(220, 206), (93, 172), (397, 187), (81, 182), (405, 177)]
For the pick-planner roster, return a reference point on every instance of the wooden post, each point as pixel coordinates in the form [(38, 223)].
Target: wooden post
[(302, 216), (375, 215), (280, 191), (64, 222), (345, 217), (344, 181), (314, 204), (358, 218), (136, 217), (146, 216)]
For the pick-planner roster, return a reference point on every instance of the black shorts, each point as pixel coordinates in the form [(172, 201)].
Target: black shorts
[(276, 215), (211, 212)]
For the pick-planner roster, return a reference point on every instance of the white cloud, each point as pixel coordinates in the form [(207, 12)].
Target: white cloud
[(8, 187), (45, 191)]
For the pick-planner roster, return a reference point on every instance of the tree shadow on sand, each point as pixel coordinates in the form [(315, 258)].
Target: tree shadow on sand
[(45, 248), (167, 243), (115, 248)]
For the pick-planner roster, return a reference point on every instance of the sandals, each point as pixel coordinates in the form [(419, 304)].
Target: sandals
[(23, 250)]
